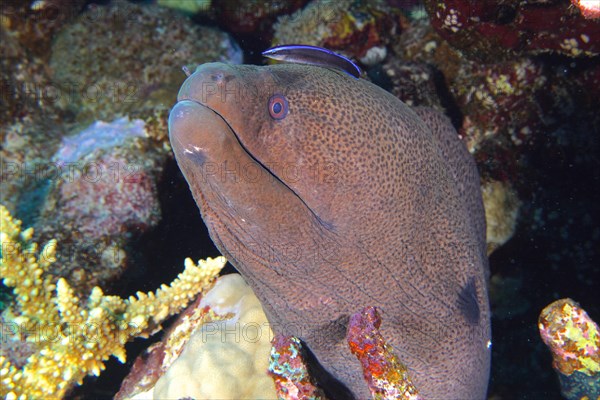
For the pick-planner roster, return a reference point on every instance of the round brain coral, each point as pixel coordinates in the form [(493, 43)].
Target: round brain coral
[(223, 359)]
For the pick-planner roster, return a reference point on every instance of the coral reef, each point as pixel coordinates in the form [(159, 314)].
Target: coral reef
[(240, 16), (501, 211), (497, 97), (503, 109), (91, 76), (489, 29), (413, 82), (101, 194), (224, 338), (71, 337), (289, 370), (30, 117), (26, 91), (528, 112), (102, 79), (33, 23), (187, 6), (574, 340), (385, 374), (31, 121), (359, 30), (25, 170), (100, 191), (500, 103)]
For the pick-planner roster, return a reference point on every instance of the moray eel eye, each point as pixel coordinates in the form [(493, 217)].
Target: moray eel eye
[(278, 106)]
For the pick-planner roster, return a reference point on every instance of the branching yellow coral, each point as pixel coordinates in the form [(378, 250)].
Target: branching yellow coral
[(22, 269), (73, 338)]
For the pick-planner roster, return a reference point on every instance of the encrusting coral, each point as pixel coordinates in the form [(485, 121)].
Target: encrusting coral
[(384, 372), (574, 340), (72, 338), (289, 370), (502, 206)]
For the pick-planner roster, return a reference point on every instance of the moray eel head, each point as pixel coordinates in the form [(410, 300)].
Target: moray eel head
[(256, 125)]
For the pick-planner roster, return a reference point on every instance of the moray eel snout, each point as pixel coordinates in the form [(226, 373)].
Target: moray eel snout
[(328, 195), (198, 130), (195, 128)]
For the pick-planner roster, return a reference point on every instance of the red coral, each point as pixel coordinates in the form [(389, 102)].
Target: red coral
[(492, 28), (385, 375)]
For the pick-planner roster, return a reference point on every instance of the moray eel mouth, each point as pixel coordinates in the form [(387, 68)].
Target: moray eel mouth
[(192, 128), (204, 123), (198, 131), (202, 137), (211, 154), (215, 114)]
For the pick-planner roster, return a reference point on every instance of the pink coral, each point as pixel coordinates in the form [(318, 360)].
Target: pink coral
[(108, 196)]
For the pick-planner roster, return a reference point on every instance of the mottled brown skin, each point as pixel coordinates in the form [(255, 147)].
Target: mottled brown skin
[(352, 200)]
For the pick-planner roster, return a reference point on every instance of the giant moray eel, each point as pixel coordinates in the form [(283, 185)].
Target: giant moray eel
[(329, 194)]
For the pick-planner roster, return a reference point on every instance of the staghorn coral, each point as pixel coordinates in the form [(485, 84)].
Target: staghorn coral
[(72, 338)]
